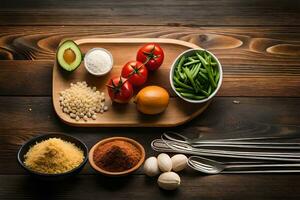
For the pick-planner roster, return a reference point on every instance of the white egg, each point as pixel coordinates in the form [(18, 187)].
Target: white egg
[(168, 181), (164, 162), (179, 162), (151, 167)]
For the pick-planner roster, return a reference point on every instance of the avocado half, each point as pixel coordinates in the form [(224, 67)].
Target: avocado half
[(69, 55)]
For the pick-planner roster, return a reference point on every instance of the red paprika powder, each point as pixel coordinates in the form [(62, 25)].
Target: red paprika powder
[(116, 156)]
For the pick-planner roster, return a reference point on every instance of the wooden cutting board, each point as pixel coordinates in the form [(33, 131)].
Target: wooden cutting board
[(124, 50)]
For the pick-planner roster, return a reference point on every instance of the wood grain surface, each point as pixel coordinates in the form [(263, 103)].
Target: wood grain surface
[(258, 46), (257, 42), (140, 187), (233, 120), (155, 12)]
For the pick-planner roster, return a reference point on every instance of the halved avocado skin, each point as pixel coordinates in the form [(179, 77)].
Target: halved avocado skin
[(60, 51)]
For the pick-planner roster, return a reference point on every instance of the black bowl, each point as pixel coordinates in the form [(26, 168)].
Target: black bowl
[(25, 147)]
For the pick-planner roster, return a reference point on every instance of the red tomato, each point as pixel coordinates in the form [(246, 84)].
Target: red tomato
[(119, 90), (135, 72), (151, 55)]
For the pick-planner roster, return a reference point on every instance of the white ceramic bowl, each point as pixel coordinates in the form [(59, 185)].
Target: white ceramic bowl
[(98, 49), (188, 53)]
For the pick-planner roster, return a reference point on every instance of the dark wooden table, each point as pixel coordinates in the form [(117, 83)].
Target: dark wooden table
[(258, 43)]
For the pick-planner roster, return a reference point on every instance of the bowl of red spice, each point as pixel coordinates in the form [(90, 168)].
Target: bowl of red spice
[(116, 156)]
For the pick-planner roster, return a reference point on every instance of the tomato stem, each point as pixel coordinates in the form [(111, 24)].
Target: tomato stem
[(117, 88), (150, 55), (136, 70)]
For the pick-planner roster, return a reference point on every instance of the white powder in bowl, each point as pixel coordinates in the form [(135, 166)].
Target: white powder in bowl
[(98, 61)]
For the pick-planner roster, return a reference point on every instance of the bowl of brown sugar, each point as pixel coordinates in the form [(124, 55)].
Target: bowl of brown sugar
[(116, 156)]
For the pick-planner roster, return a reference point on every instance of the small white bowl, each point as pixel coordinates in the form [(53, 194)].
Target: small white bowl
[(188, 53), (103, 51)]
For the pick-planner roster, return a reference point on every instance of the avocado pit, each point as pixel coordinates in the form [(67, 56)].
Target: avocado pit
[(69, 56)]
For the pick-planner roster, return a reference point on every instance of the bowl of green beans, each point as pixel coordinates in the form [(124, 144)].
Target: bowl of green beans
[(196, 75)]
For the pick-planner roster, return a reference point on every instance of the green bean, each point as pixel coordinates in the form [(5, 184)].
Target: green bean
[(210, 76), (208, 70), (192, 62), (203, 61), (187, 72), (198, 87), (198, 84), (179, 67), (180, 63), (181, 75), (194, 68), (203, 76), (213, 71), (204, 92), (192, 59), (181, 84), (196, 71), (217, 77), (185, 77), (192, 96), (178, 89), (207, 56), (176, 73), (208, 59), (203, 70), (175, 84), (209, 90), (214, 63)]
